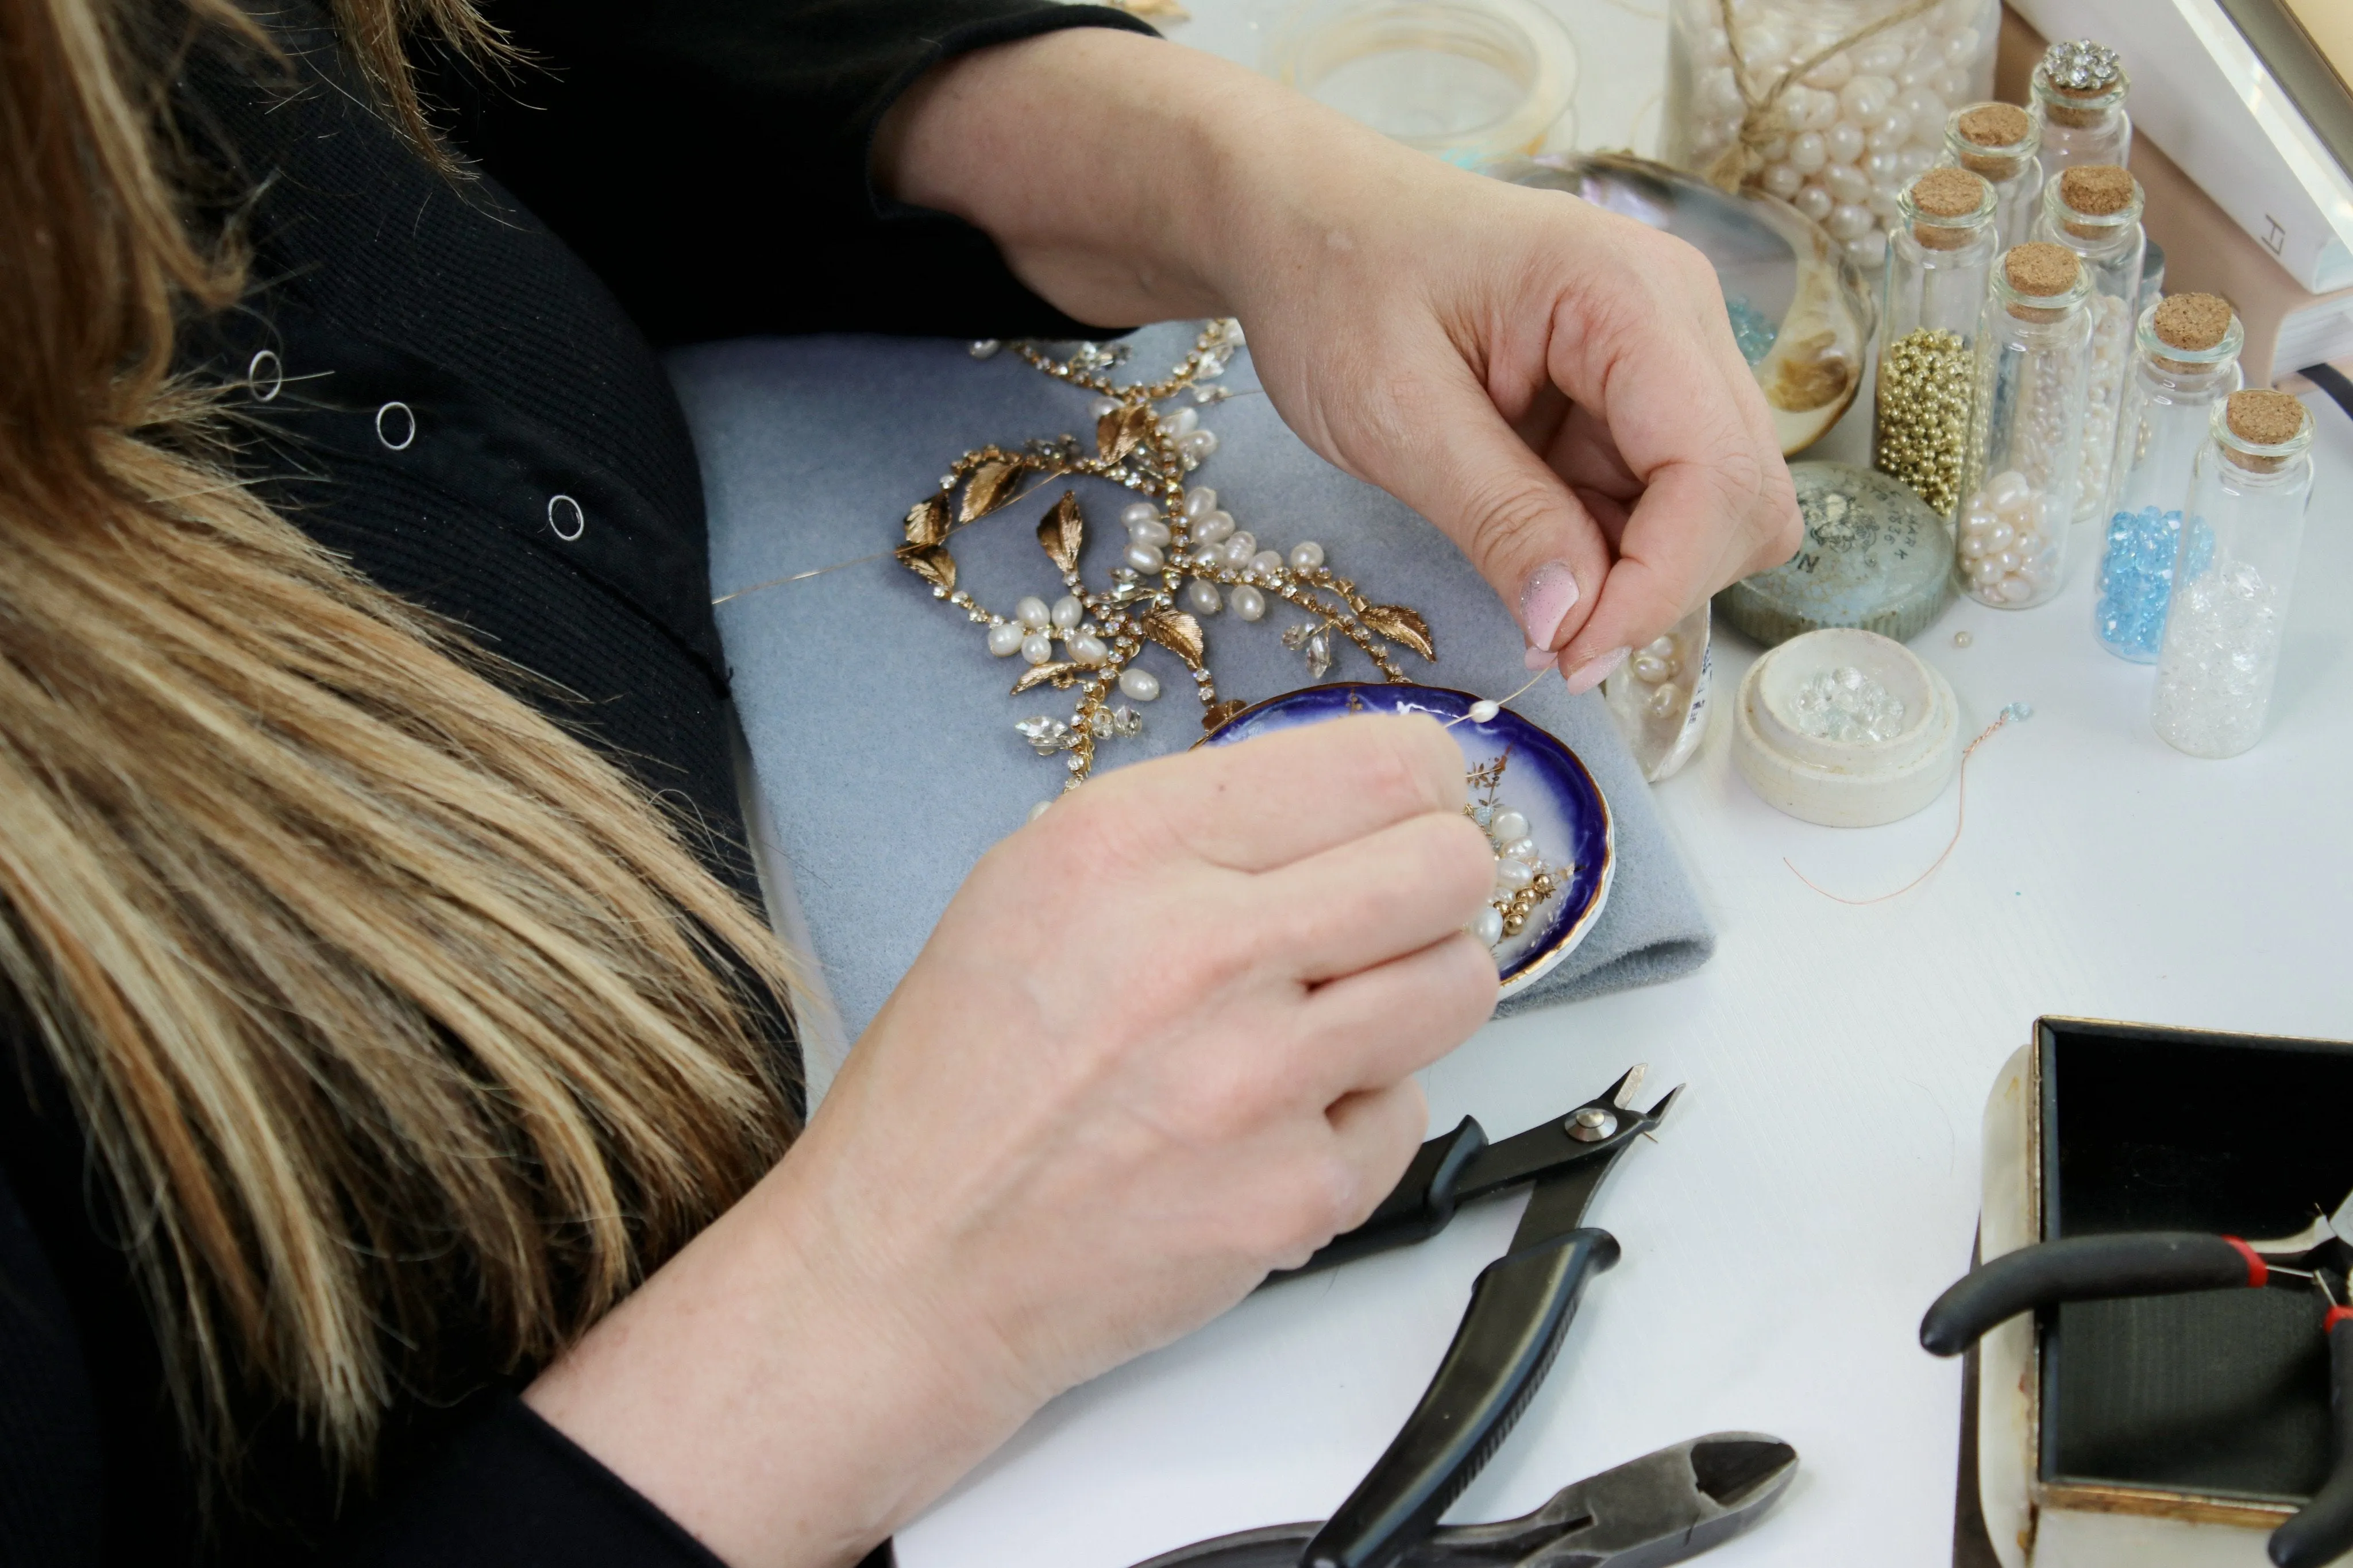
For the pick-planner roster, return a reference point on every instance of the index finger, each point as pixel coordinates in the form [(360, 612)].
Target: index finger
[(1277, 798)]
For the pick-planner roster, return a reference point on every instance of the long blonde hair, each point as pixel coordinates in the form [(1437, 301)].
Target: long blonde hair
[(380, 996)]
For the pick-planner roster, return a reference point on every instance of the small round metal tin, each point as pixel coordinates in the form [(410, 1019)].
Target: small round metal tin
[(1539, 777)]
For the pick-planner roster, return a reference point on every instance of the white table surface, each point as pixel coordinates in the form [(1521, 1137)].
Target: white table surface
[(1818, 1184)]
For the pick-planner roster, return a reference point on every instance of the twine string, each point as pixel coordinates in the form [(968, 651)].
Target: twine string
[(1960, 819), (1763, 119)]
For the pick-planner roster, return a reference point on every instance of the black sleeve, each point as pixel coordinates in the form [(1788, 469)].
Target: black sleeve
[(709, 158)]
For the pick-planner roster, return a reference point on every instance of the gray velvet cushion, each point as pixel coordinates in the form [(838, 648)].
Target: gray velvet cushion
[(881, 728)]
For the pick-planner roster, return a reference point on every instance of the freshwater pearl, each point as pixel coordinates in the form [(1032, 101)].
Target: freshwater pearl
[(1031, 612), (1880, 56), (1513, 875), (1266, 562), (1198, 443), (1890, 133), (1213, 527), (1848, 221), (1140, 684), (1650, 669), (1508, 825), (1004, 638), (1521, 850), (1145, 557), (1136, 514), (1815, 111), (1782, 180), (1487, 926), (1247, 602), (1831, 74), (1847, 184), (1036, 648), (1201, 598), (1868, 250), (1150, 531), (1815, 203), (1039, 810), (1179, 421), (1068, 612), (1199, 502), (1866, 97), (1844, 142), (1307, 553), (1484, 710), (1806, 152), (1662, 646), (1087, 649), (1239, 547)]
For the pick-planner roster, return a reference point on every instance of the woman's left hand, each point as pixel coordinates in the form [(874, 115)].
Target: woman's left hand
[(1554, 385)]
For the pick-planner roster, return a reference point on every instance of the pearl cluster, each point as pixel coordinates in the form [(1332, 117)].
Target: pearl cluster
[(1860, 126), (2010, 542), (1922, 419), (1523, 879), (2136, 580), (1035, 627), (2221, 651), (2112, 336), (1657, 666), (1845, 704)]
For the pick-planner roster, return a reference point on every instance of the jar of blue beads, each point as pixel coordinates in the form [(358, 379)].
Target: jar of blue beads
[(2185, 360)]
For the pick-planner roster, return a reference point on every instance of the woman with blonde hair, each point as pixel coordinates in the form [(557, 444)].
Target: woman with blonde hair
[(401, 1136)]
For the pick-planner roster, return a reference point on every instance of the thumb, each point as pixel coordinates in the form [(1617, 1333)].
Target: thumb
[(1520, 524)]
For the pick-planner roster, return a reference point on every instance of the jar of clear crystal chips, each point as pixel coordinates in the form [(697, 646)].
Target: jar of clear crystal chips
[(2185, 360), (2026, 430), (2233, 569)]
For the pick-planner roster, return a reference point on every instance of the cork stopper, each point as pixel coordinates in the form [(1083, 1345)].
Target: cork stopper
[(2263, 419), (2096, 190), (1992, 125), (1951, 193), (2193, 323), (2039, 269)]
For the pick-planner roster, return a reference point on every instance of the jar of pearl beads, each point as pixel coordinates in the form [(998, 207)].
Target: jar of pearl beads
[(2001, 145), (1937, 262), (2026, 428), (2235, 561), (2079, 91), (1832, 105), (2185, 360), (2094, 209)]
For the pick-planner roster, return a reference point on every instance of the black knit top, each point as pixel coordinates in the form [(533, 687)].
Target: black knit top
[(455, 385)]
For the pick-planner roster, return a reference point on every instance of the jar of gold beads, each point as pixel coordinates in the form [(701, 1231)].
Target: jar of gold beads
[(1937, 261), (1833, 105), (2026, 428), (2000, 144)]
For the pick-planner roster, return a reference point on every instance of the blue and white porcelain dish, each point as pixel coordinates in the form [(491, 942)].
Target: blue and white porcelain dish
[(1541, 778)]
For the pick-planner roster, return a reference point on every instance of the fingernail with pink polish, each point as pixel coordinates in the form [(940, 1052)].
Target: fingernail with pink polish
[(1537, 658), (1593, 672), (1545, 603)]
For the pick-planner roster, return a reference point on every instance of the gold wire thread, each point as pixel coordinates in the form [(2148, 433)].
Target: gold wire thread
[(1960, 817)]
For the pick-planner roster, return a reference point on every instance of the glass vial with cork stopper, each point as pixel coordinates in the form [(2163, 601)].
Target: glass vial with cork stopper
[(1934, 293), (2001, 145), (2239, 537), (2094, 209), (2079, 102), (2026, 428), (2185, 360)]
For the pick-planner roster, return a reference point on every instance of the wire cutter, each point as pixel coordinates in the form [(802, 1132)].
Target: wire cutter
[(1660, 1509), (1519, 1306), (2162, 1263)]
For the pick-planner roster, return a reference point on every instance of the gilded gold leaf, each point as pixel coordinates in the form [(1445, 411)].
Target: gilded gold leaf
[(931, 562), (1177, 632), (1218, 714), (1061, 531), (927, 520), (991, 487), (1062, 673), (1121, 430), (1399, 623)]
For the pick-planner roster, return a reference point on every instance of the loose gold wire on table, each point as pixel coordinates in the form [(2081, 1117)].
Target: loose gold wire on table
[(1961, 818)]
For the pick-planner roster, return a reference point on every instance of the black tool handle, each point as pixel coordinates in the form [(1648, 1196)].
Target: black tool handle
[(1417, 1208), (1519, 1310), (2322, 1530), (2084, 1269)]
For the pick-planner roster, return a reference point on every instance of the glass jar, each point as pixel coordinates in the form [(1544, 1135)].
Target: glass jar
[(2000, 144), (2244, 527), (1861, 117), (2026, 428), (1937, 261), (2094, 209), (2185, 360), (2079, 102)]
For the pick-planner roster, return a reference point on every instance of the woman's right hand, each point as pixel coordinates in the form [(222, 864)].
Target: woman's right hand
[(1160, 1044)]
